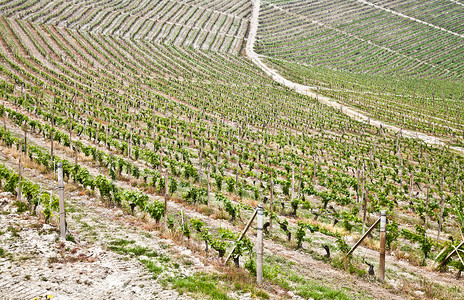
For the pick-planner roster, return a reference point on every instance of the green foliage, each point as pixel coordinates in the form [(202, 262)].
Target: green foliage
[(294, 205), (172, 185), (316, 291), (196, 195), (342, 245), (300, 234), (204, 285), (218, 178), (197, 224), (220, 246), (392, 233), (250, 265), (20, 206), (454, 260), (11, 183), (155, 210), (230, 184), (242, 247), (104, 186)]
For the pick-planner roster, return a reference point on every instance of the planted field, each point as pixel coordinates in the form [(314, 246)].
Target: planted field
[(218, 25), (144, 126), (375, 37), (431, 106)]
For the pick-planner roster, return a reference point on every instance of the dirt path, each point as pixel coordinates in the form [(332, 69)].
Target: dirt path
[(309, 91)]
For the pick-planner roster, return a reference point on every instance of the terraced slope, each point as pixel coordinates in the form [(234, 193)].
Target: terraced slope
[(136, 122), (217, 25), (422, 38)]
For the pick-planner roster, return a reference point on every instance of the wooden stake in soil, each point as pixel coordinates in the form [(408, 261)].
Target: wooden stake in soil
[(383, 225), (426, 208), (259, 246), (200, 156), (208, 168), (442, 208), (61, 203), (293, 183), (20, 168), (236, 174), (25, 138), (166, 195), (3, 107), (271, 208), (51, 144), (75, 153), (365, 199)]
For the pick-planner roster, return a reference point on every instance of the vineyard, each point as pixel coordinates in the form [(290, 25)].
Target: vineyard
[(168, 138)]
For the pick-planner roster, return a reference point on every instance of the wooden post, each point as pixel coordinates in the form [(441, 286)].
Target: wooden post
[(51, 142), (166, 195), (359, 183), (293, 183), (450, 254), (314, 170), (129, 144), (95, 138), (209, 188), (411, 185), (25, 139), (4, 111), (107, 132), (236, 174), (20, 168), (271, 203), (154, 132), (426, 207), (75, 152), (161, 160), (61, 202), (200, 156), (442, 208), (259, 246), (70, 132), (363, 237), (383, 224), (243, 233), (365, 198)]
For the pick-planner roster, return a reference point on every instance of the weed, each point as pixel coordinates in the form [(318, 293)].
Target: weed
[(314, 291), (13, 230), (202, 284), (152, 267), (21, 206)]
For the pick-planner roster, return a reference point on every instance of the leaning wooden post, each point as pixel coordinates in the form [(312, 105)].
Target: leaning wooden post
[(259, 246), (61, 199), (242, 234), (20, 168), (383, 225), (166, 195)]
